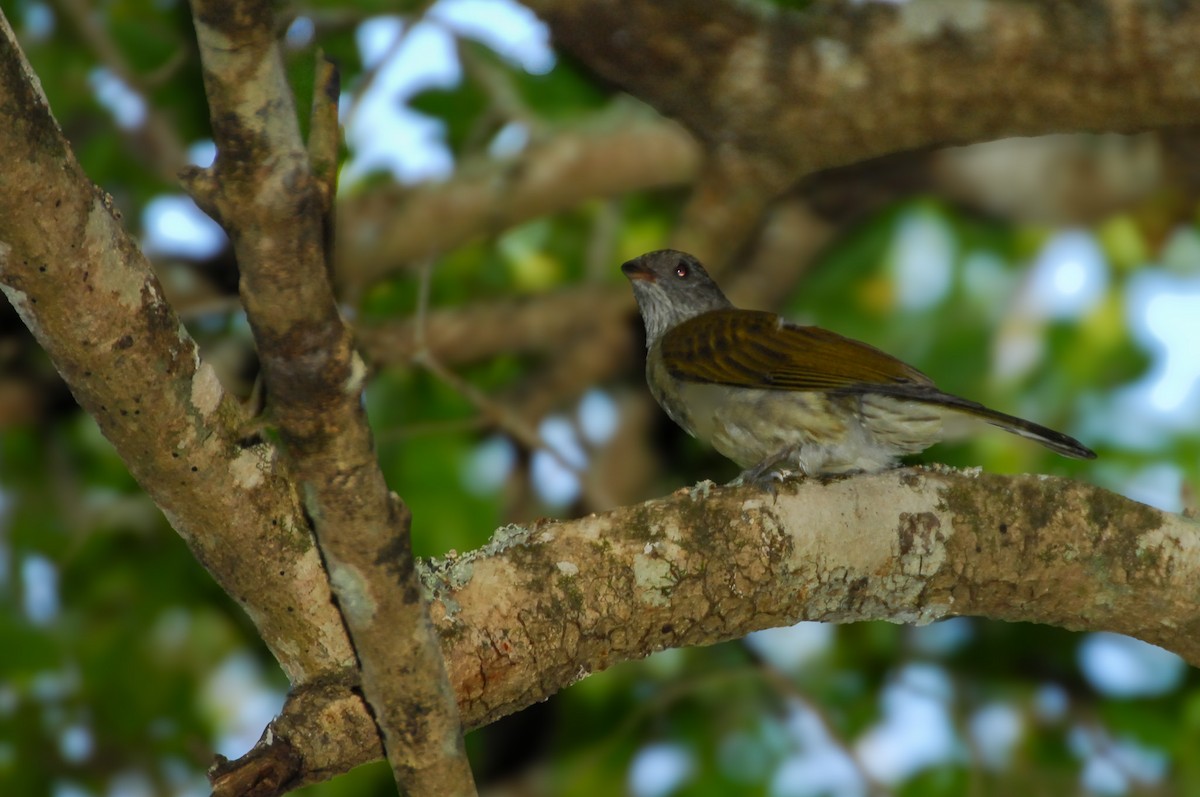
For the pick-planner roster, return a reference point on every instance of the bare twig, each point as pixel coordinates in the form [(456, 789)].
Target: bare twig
[(331, 19), (506, 101), (371, 74)]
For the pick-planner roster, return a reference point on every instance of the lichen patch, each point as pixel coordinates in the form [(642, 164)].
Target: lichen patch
[(206, 390), (246, 469)]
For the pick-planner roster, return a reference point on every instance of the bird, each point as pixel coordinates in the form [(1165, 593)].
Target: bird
[(788, 401)]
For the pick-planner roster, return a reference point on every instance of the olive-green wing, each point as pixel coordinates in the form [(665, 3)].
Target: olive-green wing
[(748, 348)]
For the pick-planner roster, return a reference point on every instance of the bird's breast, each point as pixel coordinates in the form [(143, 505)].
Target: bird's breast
[(748, 424), (666, 390)]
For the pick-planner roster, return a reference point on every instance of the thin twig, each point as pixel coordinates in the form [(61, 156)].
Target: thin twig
[(784, 685), (500, 415), (430, 428), (167, 150), (368, 77)]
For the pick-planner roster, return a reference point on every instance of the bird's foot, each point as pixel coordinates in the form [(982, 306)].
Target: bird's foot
[(767, 476)]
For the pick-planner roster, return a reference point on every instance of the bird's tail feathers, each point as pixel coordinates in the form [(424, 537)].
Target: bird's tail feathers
[(1055, 441)]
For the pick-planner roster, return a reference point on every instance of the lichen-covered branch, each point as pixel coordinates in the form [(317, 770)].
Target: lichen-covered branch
[(542, 606), (263, 189), (712, 564), (776, 94), (89, 296)]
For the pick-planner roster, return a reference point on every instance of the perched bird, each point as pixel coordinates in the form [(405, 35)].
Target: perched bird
[(778, 398)]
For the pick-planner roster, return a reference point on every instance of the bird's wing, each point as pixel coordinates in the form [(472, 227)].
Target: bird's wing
[(748, 348)]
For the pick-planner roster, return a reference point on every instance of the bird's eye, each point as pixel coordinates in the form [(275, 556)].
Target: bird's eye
[(681, 269)]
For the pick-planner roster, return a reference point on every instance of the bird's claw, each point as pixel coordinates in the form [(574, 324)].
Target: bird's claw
[(768, 479)]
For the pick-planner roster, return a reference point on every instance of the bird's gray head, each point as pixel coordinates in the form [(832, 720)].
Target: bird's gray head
[(671, 287)]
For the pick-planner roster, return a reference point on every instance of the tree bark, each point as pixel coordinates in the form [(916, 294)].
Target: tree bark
[(542, 606), (274, 198)]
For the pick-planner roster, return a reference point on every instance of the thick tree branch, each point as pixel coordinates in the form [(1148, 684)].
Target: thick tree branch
[(838, 84), (91, 299), (712, 564), (540, 607), (275, 210)]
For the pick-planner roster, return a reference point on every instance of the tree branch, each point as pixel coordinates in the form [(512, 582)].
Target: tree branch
[(727, 205), (613, 153), (479, 331), (89, 296), (540, 607), (275, 210), (838, 84)]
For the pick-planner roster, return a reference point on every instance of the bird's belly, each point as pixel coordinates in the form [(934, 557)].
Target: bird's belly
[(821, 433)]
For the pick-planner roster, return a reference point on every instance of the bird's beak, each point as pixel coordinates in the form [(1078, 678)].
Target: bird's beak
[(635, 270)]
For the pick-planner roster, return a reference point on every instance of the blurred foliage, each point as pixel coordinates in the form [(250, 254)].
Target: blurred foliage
[(128, 651)]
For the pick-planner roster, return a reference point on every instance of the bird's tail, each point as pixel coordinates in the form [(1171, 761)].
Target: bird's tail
[(1055, 441), (959, 415)]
